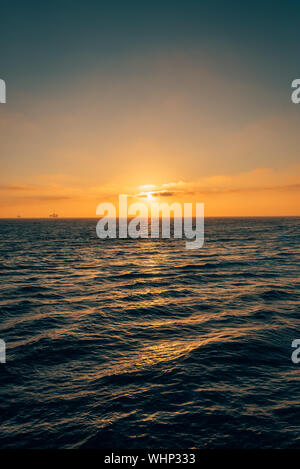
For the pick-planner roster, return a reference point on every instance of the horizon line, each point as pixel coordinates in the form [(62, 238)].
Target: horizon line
[(129, 217)]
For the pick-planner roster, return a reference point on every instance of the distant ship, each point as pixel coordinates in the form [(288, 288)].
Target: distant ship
[(53, 215)]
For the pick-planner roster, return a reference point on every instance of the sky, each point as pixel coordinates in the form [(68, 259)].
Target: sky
[(191, 99)]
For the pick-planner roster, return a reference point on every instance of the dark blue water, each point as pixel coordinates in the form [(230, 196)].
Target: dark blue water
[(144, 344)]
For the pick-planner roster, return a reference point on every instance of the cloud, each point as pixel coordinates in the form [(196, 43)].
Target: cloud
[(147, 187), (175, 184), (256, 191), (159, 193), (258, 179), (18, 188)]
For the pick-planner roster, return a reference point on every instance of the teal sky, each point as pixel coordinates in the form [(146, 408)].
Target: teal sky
[(44, 42)]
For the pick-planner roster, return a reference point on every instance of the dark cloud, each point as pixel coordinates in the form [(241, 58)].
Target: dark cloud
[(16, 188), (216, 191)]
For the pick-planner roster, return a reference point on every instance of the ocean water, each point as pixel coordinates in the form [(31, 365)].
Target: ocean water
[(145, 344)]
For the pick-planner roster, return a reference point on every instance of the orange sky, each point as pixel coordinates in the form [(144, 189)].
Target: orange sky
[(198, 123), (259, 192)]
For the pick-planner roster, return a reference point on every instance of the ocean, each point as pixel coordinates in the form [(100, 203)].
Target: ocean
[(145, 344)]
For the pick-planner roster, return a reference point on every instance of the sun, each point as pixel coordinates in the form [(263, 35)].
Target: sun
[(149, 196)]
